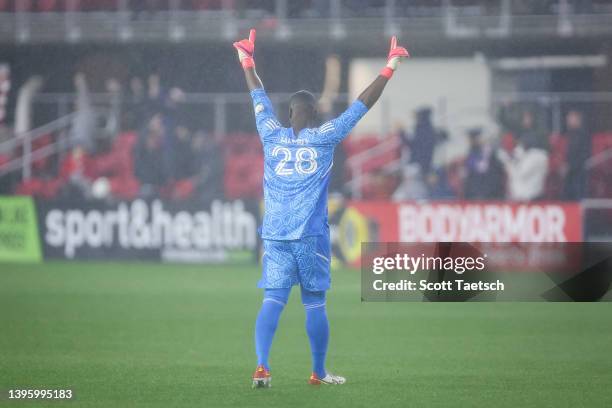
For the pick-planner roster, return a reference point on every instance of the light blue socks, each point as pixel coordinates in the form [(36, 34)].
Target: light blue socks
[(317, 328), (267, 321)]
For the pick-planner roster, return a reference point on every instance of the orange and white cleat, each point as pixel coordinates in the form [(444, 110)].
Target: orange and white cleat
[(262, 377), (329, 379)]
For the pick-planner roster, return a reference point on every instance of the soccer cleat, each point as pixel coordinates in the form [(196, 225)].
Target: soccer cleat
[(262, 377), (328, 379)]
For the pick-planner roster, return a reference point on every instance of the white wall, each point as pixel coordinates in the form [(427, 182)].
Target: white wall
[(457, 89)]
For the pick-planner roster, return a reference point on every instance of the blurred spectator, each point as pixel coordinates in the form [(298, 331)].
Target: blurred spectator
[(114, 89), (524, 127), (84, 120), (208, 169), (485, 176), (73, 173), (149, 158), (579, 146), (438, 187), (154, 101), (419, 148), (412, 186), (183, 157), (135, 112), (423, 141), (526, 170), (529, 132)]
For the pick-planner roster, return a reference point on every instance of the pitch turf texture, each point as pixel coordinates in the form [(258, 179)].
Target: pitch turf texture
[(142, 335)]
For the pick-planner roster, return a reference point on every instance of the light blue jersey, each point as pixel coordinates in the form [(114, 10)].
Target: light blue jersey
[(297, 170)]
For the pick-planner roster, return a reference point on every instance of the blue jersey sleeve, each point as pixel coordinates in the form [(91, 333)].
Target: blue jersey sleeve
[(266, 121), (337, 129)]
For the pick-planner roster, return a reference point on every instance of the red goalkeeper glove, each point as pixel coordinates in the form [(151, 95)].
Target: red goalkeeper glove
[(246, 49), (394, 58)]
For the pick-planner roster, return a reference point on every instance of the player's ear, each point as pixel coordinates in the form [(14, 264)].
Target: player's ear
[(315, 114), (290, 112)]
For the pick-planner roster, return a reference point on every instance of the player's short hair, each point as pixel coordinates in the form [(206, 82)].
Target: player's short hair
[(302, 97)]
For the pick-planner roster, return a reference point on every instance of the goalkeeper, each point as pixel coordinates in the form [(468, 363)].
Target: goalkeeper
[(295, 232)]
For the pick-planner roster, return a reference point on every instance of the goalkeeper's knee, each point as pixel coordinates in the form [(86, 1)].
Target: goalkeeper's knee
[(312, 300), (278, 296)]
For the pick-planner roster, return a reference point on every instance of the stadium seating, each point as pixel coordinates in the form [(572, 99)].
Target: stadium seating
[(243, 168), (117, 166)]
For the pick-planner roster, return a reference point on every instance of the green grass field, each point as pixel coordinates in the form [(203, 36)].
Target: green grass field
[(144, 335)]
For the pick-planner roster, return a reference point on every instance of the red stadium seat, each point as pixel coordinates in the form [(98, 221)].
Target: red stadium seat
[(51, 188), (125, 188), (4, 160), (240, 143), (47, 5), (243, 177), (243, 166), (182, 189), (378, 185), (116, 163), (69, 165), (40, 166), (125, 141), (23, 5), (31, 187)]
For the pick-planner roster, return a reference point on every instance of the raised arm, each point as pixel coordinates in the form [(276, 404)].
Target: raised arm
[(371, 94), (337, 129), (246, 49), (265, 119)]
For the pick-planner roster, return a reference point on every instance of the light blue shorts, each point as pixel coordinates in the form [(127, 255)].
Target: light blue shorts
[(305, 262)]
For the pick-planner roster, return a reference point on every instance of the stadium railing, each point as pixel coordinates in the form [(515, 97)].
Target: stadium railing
[(24, 145), (384, 156), (283, 21), (552, 105), (363, 162)]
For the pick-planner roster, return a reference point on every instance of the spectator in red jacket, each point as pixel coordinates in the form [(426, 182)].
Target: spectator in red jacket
[(73, 173)]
